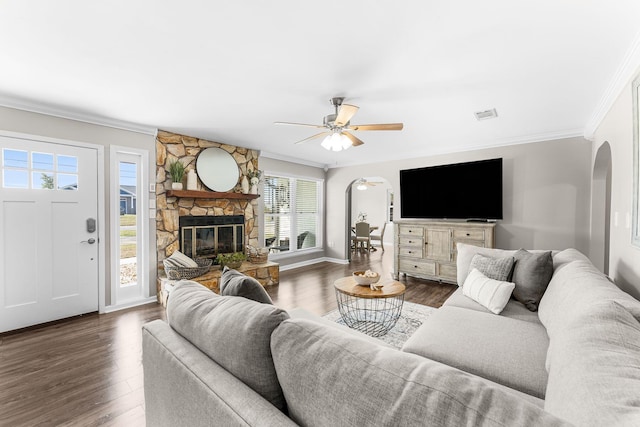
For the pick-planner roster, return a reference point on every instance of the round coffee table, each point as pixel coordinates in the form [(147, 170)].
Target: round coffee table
[(369, 311)]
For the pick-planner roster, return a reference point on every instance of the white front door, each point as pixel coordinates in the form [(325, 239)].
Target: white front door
[(48, 232)]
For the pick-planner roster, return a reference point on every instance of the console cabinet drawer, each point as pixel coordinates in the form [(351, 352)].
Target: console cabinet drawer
[(411, 251), (468, 233), (408, 230), (411, 241), (418, 267)]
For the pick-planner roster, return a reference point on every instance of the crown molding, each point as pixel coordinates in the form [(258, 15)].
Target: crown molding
[(621, 78), (276, 156), (40, 108)]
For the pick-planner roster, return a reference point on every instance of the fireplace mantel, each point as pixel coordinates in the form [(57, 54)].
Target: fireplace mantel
[(210, 195)]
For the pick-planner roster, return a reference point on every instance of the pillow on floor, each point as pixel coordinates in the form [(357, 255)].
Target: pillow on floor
[(494, 268), (531, 274), (234, 283), (490, 293)]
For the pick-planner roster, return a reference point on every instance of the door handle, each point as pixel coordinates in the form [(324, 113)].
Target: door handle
[(91, 241)]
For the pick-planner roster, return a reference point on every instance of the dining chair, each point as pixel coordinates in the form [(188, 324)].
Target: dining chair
[(379, 237), (363, 235)]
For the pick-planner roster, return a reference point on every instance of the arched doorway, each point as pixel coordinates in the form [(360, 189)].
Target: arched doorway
[(370, 197), (601, 208)]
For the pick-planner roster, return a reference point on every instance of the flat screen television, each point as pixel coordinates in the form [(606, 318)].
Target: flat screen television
[(471, 191)]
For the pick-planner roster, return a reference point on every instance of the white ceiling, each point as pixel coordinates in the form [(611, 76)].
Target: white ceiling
[(226, 71)]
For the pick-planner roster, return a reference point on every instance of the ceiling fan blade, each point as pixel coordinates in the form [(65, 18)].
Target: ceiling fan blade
[(355, 141), (381, 126), (318, 135), (298, 124), (345, 114)]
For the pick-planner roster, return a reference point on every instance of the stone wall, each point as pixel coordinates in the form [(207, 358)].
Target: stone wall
[(171, 147)]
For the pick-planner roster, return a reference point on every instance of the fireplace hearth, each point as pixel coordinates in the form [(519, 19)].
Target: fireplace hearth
[(207, 236)]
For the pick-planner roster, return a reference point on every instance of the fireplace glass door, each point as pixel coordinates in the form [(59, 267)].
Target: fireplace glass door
[(205, 237)]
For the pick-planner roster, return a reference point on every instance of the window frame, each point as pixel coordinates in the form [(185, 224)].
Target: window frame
[(293, 215), (635, 227)]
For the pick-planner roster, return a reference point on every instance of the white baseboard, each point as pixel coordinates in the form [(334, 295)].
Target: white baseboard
[(129, 304), (312, 262)]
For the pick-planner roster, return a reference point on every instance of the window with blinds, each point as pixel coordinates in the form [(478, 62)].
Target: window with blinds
[(292, 209)]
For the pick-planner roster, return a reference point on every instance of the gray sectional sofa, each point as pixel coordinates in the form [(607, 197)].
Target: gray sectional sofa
[(223, 360)]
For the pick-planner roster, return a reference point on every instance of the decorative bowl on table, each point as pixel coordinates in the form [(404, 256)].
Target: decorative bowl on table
[(365, 278)]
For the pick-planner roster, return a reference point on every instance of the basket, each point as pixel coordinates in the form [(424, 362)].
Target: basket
[(180, 273), (258, 259)]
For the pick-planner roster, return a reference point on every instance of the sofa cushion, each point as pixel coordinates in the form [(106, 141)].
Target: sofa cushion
[(574, 288), (374, 385), (594, 375), (235, 332), (184, 387), (507, 351), (531, 274), (514, 309), (234, 283), (493, 268), (490, 293)]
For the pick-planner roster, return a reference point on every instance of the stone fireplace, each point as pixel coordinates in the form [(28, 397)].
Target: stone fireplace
[(170, 209)]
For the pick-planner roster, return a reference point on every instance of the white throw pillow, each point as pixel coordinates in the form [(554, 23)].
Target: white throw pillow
[(490, 293), (178, 259)]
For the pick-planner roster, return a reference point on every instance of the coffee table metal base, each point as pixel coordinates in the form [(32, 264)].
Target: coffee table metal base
[(373, 316)]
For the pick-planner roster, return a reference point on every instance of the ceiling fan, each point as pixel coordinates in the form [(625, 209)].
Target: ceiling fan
[(336, 136), (363, 183)]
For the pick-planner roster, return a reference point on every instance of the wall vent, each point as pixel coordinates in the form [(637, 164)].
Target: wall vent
[(487, 114)]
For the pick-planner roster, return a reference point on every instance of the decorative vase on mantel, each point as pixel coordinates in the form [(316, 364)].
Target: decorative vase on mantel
[(254, 185), (176, 186), (244, 185), (192, 180)]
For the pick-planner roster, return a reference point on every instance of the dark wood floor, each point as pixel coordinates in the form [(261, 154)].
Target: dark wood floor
[(312, 287), (87, 371)]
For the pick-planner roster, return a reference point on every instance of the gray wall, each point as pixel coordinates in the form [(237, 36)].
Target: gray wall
[(546, 193), (274, 166), (54, 127), (617, 129)]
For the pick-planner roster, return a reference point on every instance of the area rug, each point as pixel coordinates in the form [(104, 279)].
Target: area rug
[(413, 315)]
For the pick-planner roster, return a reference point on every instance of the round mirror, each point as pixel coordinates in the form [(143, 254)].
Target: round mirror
[(217, 169)]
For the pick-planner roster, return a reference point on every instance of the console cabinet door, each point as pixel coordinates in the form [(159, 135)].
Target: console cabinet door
[(438, 244)]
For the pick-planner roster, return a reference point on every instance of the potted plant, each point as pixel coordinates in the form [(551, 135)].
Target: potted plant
[(176, 170), (254, 178), (231, 260)]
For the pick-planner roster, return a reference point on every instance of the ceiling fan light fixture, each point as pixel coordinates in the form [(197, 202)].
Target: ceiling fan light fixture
[(361, 186), (346, 142), (336, 142)]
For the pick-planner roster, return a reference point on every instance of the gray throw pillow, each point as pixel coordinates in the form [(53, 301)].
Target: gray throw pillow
[(494, 268), (234, 332), (531, 274), (234, 283)]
